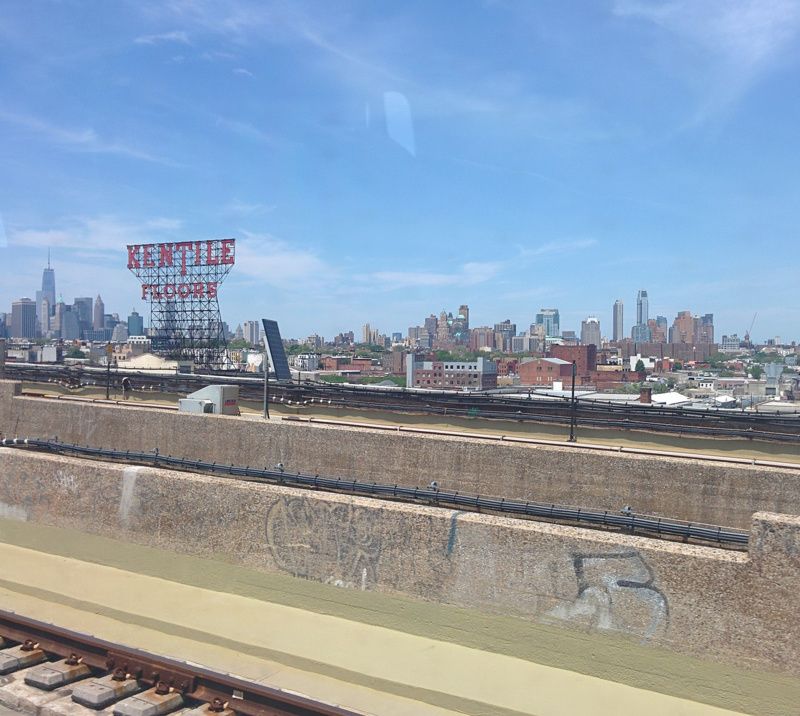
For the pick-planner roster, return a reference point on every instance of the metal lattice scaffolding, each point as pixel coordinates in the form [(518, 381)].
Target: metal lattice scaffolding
[(180, 281)]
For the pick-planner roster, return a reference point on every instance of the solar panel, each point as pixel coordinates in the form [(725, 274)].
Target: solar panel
[(277, 355)]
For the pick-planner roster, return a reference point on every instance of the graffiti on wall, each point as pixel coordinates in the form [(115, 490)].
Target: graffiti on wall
[(333, 543), (616, 591)]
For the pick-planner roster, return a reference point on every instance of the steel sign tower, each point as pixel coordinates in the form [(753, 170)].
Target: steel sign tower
[(181, 283)]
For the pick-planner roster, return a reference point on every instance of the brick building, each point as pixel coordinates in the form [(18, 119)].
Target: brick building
[(543, 371), (507, 366), (335, 362), (480, 374), (585, 357)]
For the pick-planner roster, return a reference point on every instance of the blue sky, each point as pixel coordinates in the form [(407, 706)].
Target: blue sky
[(379, 161)]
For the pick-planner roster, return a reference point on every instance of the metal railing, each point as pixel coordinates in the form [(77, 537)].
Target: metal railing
[(629, 522)]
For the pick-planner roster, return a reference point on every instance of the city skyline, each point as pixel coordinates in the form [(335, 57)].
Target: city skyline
[(548, 318)]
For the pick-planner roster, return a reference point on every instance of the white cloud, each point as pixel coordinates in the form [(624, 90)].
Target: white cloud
[(243, 72), (178, 36), (242, 208), (369, 63), (102, 233), (740, 40), (244, 129), (276, 262), (469, 274), (557, 248), (84, 140)]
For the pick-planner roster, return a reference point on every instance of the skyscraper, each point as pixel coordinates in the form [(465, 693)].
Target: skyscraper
[(549, 318), (49, 283), (83, 308), (590, 331), (23, 318), (619, 326), (705, 329), (135, 324), (99, 312), (48, 293), (640, 333), (251, 331), (642, 308)]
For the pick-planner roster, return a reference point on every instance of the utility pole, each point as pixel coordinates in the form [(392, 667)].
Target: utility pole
[(574, 415), (109, 350), (265, 365)]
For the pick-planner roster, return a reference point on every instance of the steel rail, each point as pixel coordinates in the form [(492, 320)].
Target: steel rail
[(34, 372), (631, 523), (714, 423), (243, 697)]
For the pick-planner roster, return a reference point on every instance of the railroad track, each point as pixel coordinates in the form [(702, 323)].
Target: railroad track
[(711, 423), (51, 671)]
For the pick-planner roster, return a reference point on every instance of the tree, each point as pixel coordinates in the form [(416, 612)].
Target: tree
[(640, 366), (756, 371), (75, 353)]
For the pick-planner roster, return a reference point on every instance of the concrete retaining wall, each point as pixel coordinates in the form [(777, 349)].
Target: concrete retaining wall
[(680, 488), (728, 606)]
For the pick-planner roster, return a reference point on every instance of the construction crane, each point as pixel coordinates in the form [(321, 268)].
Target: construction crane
[(749, 330)]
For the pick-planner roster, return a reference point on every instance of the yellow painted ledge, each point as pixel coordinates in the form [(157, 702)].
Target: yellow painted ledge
[(365, 667)]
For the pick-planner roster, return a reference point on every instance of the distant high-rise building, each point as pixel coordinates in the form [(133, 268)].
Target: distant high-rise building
[(70, 327), (23, 318), (459, 326), (504, 331), (99, 314), (640, 333), (47, 292), (549, 318), (481, 337), (251, 331), (49, 283), (432, 326), (45, 313), (704, 332), (463, 313), (682, 330), (443, 326), (83, 308), (619, 325), (658, 329), (642, 308), (590, 331), (135, 324), (120, 333)]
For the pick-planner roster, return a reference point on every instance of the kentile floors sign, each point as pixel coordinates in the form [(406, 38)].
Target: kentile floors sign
[(181, 271)]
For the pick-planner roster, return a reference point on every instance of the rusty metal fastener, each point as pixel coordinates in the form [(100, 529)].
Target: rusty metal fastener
[(217, 705), (28, 645), (162, 688), (72, 660), (119, 675)]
